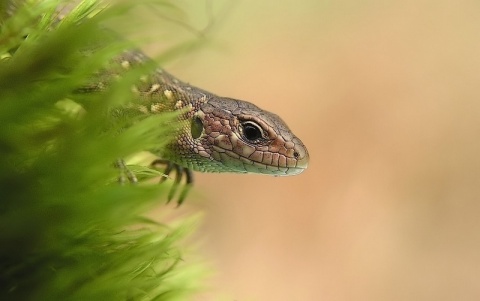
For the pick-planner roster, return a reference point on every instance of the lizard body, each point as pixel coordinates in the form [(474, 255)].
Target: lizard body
[(218, 134)]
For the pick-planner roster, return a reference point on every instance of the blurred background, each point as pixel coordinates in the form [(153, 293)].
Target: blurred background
[(385, 94)]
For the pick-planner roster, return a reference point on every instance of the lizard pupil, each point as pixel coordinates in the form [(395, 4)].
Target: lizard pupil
[(196, 127), (251, 131)]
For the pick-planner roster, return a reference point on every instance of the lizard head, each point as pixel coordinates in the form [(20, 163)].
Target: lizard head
[(237, 136)]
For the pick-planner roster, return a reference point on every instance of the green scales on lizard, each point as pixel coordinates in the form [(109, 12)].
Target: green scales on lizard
[(218, 134)]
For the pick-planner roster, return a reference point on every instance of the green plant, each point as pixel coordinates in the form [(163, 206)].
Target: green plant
[(68, 230)]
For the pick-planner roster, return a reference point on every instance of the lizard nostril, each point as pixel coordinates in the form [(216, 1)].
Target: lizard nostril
[(296, 154)]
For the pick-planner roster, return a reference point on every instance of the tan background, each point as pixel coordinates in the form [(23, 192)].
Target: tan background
[(385, 94)]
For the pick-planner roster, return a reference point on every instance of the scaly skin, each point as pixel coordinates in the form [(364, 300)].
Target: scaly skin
[(218, 134)]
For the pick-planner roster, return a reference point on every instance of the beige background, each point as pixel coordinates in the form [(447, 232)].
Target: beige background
[(385, 94)]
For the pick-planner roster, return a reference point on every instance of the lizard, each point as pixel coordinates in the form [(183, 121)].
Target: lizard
[(217, 134)]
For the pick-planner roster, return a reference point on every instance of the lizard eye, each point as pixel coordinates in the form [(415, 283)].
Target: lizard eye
[(252, 131), (196, 127)]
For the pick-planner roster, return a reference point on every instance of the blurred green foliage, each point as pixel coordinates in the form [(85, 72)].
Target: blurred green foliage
[(68, 231)]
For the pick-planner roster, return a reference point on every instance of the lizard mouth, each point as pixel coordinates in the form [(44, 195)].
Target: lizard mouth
[(272, 164), (277, 171), (237, 156)]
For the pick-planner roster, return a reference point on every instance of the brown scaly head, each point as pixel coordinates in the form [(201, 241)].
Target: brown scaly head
[(229, 135)]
